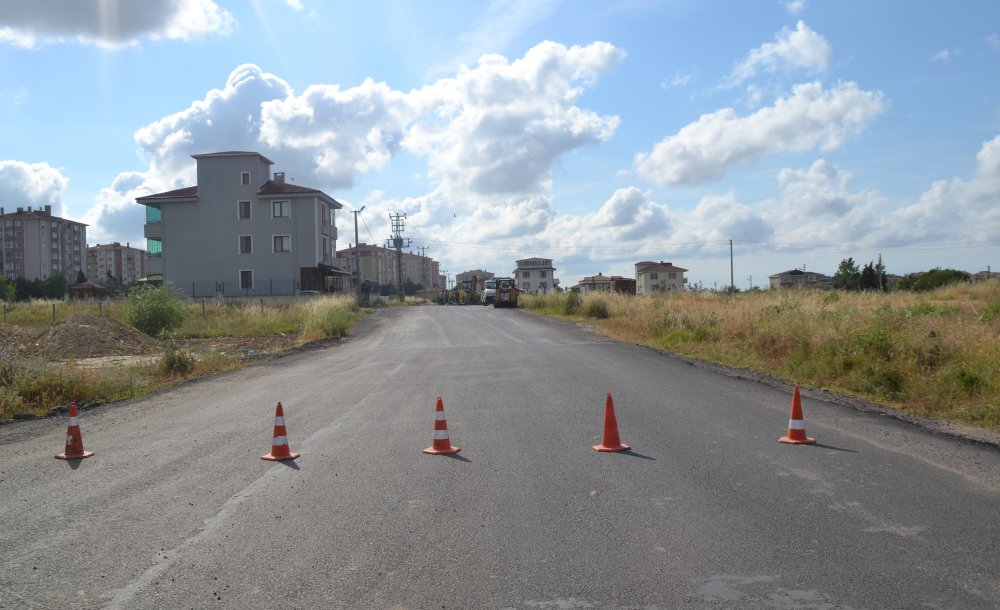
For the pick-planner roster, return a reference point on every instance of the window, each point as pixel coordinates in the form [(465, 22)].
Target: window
[(527, 285), (325, 248), (280, 209), (526, 275), (541, 274), (152, 215), (282, 243), (245, 178), (654, 276), (672, 275), (246, 244), (243, 210), (246, 279)]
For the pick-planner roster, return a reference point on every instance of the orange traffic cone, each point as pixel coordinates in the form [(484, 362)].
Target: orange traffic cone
[(442, 444), (796, 425), (74, 440), (610, 440), (279, 446)]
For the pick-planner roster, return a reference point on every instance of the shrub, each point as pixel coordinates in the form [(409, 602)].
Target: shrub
[(596, 307), (177, 361), (155, 310), (571, 303)]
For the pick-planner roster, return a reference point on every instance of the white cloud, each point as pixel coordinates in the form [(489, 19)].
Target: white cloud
[(810, 118), (497, 129), (993, 40), (35, 184), (677, 80), (799, 49), (295, 5), (796, 7), (491, 136), (110, 24), (944, 55)]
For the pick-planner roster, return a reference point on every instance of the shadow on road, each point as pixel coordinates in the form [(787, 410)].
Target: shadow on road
[(460, 458), (638, 455), (834, 448)]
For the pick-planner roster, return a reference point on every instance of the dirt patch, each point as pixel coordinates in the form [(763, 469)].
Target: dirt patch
[(92, 336), (15, 341), (264, 346)]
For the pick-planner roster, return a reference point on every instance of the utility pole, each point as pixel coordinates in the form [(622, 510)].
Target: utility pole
[(750, 279), (732, 283), (424, 272), (357, 255), (398, 226), (878, 272)]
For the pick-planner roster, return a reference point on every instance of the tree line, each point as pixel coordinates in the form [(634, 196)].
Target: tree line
[(872, 277)]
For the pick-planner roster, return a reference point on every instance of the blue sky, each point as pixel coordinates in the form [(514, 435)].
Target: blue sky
[(595, 133)]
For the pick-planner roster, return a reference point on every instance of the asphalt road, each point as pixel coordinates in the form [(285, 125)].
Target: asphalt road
[(176, 510)]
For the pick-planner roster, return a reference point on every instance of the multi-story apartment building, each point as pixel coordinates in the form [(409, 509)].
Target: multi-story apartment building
[(651, 277), (379, 266), (115, 264), (242, 231), (34, 244), (535, 275)]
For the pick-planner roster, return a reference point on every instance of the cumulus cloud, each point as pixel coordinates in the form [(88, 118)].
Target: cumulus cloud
[(35, 184), (497, 129), (490, 135), (110, 23), (343, 133), (810, 118), (798, 49)]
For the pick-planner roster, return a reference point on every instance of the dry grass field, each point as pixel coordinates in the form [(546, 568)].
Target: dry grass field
[(932, 353)]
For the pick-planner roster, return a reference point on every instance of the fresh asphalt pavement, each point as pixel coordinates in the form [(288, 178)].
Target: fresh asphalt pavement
[(708, 510)]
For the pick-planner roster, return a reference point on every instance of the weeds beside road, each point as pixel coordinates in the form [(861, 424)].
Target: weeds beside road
[(934, 354), (33, 384)]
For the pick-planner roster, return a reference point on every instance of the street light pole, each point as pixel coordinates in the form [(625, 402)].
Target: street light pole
[(357, 255)]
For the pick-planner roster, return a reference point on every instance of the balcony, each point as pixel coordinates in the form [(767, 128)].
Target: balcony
[(152, 231), (154, 264)]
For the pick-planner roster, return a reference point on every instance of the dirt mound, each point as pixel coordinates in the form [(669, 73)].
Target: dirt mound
[(92, 336), (13, 341)]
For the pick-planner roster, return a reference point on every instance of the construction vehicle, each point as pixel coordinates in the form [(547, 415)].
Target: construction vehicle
[(471, 289), (506, 292), (489, 292)]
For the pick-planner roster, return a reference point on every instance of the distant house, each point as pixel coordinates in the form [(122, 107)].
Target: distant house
[(797, 278), (652, 277), (602, 283), (87, 290), (242, 231), (116, 263), (535, 275)]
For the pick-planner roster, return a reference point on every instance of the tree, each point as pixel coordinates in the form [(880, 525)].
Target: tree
[(935, 278), (8, 291), (848, 275), (27, 289), (54, 286), (80, 277), (155, 310)]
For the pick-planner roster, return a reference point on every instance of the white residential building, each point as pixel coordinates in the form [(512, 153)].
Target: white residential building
[(535, 275), (652, 277)]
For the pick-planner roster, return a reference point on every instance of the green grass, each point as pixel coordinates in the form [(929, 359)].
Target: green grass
[(934, 353)]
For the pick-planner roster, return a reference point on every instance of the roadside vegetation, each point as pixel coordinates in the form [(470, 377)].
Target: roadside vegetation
[(933, 353), (33, 385)]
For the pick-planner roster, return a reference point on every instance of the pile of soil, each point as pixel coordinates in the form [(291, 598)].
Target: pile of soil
[(14, 341), (92, 336)]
